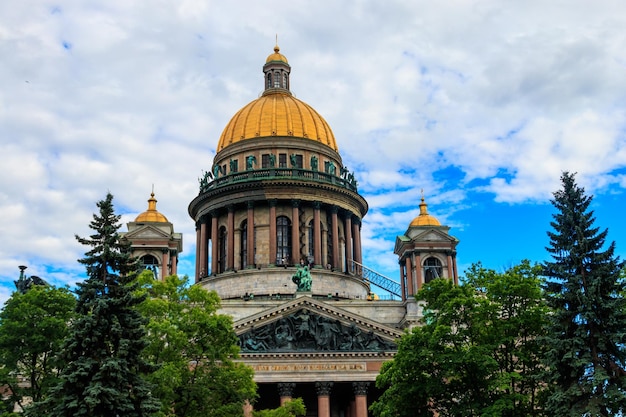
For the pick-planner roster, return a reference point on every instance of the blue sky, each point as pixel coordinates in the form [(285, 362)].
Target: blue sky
[(481, 104)]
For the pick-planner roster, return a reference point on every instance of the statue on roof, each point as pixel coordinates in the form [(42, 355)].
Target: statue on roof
[(302, 278)]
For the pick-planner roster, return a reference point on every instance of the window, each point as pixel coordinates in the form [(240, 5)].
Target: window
[(432, 269), (243, 250), (150, 263), (282, 160), (234, 165), (221, 255), (276, 80), (284, 80), (283, 240), (269, 80)]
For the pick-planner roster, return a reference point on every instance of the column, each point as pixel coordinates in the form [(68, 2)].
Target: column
[(409, 276), (203, 248), (248, 409), (250, 235), (335, 232), (295, 232), (317, 234), (272, 232), (402, 285), (360, 398), (285, 390), (419, 275), (323, 398), (174, 262), (230, 239), (456, 272), (356, 233), (349, 252), (165, 270), (214, 243), (198, 252)]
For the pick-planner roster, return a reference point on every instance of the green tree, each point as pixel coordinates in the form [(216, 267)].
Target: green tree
[(33, 325), (586, 338), (196, 349), (104, 375), (476, 353), (291, 408)]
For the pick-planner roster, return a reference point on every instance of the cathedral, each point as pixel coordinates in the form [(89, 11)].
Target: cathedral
[(278, 236)]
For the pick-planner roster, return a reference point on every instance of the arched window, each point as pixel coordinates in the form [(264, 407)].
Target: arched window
[(150, 263), (432, 269), (221, 254), (283, 240), (276, 80), (284, 80), (243, 249), (269, 80)]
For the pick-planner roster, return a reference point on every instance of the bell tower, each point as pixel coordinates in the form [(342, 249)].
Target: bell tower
[(154, 241), (425, 251)]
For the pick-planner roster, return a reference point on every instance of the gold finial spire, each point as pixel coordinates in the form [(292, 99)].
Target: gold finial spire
[(423, 206), (152, 201)]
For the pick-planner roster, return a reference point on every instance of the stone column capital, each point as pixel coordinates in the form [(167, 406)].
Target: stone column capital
[(323, 388), (360, 388), (285, 389)]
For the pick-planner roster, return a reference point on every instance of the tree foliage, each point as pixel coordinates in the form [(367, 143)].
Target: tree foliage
[(104, 375), (476, 353), (584, 287), (292, 408), (196, 349), (33, 326)]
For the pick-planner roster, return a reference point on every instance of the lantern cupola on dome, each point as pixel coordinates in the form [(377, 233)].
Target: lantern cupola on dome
[(277, 113), (151, 215), (424, 219)]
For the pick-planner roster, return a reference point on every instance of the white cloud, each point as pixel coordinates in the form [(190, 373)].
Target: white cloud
[(124, 95)]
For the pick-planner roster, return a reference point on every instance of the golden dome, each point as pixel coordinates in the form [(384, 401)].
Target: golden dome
[(277, 113), (276, 56), (151, 215), (424, 219)]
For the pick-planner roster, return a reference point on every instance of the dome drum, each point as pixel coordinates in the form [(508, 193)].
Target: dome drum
[(275, 283)]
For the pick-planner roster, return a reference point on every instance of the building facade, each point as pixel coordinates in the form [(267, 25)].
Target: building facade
[(278, 236)]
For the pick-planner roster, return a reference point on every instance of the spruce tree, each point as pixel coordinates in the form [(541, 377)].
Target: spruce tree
[(586, 339), (104, 376)]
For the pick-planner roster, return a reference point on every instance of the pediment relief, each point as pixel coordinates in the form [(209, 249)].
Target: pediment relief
[(432, 235), (146, 232), (310, 325)]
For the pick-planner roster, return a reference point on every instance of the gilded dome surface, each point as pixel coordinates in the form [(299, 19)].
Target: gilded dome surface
[(276, 56), (151, 215), (424, 219), (277, 113)]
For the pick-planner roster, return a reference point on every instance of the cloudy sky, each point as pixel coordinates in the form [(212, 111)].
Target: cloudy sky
[(482, 104)]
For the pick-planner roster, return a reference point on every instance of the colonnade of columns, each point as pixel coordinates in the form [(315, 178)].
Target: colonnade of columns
[(351, 228), (357, 406)]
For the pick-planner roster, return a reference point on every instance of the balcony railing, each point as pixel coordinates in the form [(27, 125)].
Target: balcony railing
[(262, 174)]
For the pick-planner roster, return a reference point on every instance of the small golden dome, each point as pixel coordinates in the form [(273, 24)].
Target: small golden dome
[(277, 113), (276, 56), (151, 215), (424, 219)]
